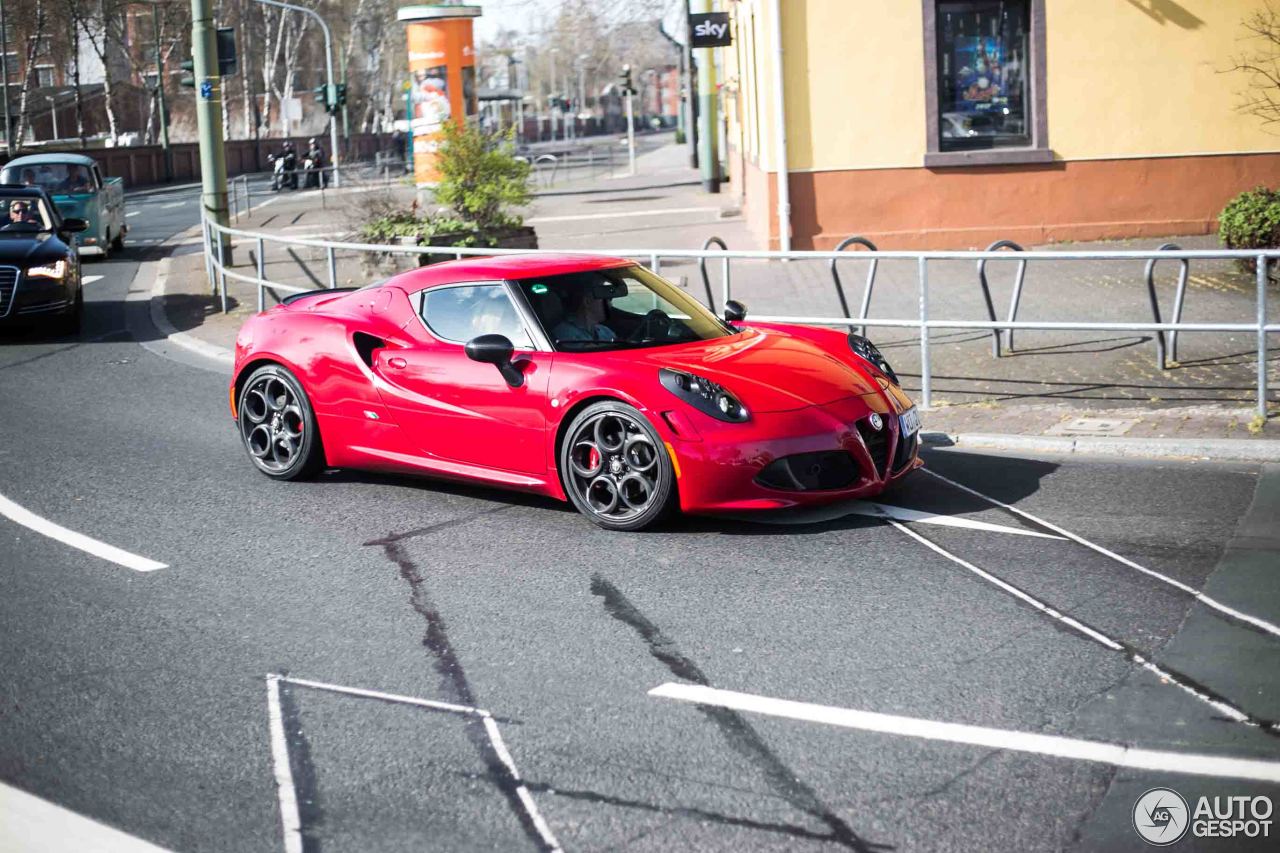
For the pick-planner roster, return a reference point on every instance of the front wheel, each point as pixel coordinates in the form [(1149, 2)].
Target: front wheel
[(616, 469), (278, 426)]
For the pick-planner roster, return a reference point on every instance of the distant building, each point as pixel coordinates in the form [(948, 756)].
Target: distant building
[(949, 123)]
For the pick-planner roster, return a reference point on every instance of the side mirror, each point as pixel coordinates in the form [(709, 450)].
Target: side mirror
[(734, 311), (73, 225), (496, 350)]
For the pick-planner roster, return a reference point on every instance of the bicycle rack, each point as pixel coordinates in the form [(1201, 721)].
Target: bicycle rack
[(1013, 302), (724, 268), (871, 279), (1183, 272)]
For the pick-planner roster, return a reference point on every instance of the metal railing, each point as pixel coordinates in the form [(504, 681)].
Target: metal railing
[(923, 322)]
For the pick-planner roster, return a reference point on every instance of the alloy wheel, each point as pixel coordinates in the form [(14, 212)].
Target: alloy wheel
[(272, 423), (614, 466)]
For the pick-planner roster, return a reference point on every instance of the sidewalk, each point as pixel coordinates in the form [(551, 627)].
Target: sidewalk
[(1060, 384)]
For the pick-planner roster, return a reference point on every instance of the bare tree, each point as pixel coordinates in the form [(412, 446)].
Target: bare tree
[(103, 30), (1260, 64)]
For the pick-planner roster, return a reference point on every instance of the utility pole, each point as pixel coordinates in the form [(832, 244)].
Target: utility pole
[(628, 92), (554, 104), (582, 82), (164, 120), (690, 91), (213, 163), (708, 155), (4, 79)]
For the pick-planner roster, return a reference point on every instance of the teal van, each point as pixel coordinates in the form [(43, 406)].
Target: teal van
[(80, 191)]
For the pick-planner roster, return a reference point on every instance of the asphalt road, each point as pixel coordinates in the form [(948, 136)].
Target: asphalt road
[(147, 700)]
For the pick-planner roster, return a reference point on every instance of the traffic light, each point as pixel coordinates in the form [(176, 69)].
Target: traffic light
[(328, 94), (342, 94), (226, 40), (628, 88), (189, 78)]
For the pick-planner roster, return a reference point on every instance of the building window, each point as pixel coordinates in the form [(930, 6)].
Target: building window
[(13, 67), (44, 75), (984, 72)]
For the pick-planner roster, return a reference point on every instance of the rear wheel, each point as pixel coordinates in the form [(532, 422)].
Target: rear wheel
[(278, 426), (117, 242), (616, 469)]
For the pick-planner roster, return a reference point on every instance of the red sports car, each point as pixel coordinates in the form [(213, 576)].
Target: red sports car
[(587, 379)]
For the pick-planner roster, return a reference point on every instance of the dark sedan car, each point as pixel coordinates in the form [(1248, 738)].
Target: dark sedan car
[(39, 267)]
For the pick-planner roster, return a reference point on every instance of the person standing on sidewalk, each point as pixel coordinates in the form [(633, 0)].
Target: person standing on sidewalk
[(316, 177)]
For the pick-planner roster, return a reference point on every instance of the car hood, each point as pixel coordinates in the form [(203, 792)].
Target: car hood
[(769, 371), (19, 248)]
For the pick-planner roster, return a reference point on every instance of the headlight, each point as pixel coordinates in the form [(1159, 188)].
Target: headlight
[(704, 395), (867, 351), (57, 269)]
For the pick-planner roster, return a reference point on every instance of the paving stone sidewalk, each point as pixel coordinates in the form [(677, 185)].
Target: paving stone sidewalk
[(1056, 383)]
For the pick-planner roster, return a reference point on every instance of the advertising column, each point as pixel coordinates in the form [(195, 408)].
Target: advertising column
[(442, 78)]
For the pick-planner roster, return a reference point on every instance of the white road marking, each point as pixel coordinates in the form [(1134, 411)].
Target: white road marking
[(903, 514), (883, 511), (386, 697), (90, 279), (30, 520), (290, 819), (1206, 600), (29, 823), (172, 205), (490, 726), (537, 220), (1079, 627), (1119, 755), (132, 213)]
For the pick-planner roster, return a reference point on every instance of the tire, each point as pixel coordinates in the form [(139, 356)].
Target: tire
[(615, 468), (118, 243), (278, 425)]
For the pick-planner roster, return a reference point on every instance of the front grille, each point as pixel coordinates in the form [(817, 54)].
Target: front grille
[(804, 472), (877, 442), (906, 450), (8, 287)]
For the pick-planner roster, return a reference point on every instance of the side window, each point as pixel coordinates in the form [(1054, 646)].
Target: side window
[(97, 178), (462, 313)]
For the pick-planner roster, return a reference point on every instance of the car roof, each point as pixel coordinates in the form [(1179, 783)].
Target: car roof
[(19, 191), (50, 159), (505, 267)]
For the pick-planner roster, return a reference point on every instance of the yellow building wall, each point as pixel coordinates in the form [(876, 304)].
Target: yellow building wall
[(1143, 77), (1125, 78), (854, 83)]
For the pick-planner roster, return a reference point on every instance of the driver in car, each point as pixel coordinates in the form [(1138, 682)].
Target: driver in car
[(584, 322), (20, 217)]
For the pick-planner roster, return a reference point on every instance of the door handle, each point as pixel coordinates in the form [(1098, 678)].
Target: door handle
[(397, 362)]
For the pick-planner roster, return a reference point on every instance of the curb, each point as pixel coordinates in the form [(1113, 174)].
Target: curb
[(1218, 449), (160, 319)]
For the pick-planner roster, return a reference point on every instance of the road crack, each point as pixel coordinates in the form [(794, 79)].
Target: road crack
[(740, 735)]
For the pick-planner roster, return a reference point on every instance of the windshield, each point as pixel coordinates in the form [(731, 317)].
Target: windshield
[(56, 178), (25, 214), (622, 308)]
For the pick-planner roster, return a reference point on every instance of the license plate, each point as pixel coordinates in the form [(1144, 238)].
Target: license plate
[(909, 421)]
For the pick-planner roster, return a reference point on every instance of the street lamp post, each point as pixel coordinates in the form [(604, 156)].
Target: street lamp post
[(4, 79), (330, 88), (554, 107), (53, 114), (582, 83)]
